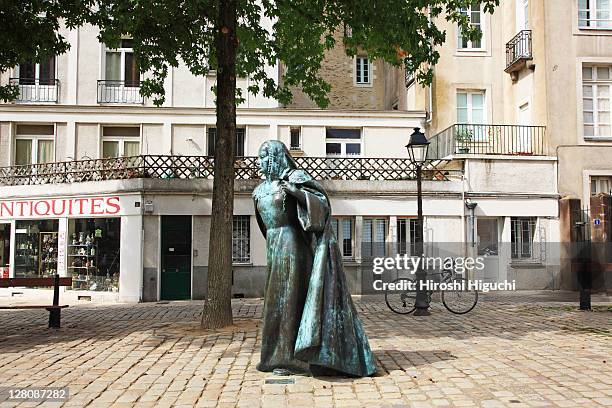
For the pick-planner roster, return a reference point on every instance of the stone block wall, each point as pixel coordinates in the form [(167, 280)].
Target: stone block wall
[(338, 70)]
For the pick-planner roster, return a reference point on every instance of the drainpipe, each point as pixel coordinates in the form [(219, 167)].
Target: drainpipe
[(471, 205), (431, 109)]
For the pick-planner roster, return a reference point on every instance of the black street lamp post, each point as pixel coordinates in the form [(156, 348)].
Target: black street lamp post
[(417, 150)]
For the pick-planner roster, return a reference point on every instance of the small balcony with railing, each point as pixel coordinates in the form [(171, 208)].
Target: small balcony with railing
[(36, 90), (519, 53), (119, 92), (477, 139)]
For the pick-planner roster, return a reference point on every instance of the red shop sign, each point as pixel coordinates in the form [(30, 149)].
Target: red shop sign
[(60, 207)]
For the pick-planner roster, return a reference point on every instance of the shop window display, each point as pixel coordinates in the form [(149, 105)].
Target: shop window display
[(36, 248), (93, 254)]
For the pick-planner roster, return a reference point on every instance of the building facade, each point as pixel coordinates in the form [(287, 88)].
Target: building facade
[(98, 184), (536, 83)]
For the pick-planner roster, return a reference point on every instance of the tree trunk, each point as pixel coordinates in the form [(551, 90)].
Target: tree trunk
[(218, 307)]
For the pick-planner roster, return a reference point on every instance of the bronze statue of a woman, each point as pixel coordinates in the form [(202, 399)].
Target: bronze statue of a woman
[(310, 323)]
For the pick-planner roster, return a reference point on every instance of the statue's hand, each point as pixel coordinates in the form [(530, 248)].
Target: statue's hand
[(290, 188)]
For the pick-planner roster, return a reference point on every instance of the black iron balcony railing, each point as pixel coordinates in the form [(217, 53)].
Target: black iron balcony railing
[(36, 90), (202, 167), (488, 139), (111, 91), (518, 51)]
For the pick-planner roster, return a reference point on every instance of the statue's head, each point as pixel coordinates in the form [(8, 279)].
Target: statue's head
[(274, 159)]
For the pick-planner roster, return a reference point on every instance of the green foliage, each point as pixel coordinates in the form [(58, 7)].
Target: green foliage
[(169, 32), (29, 32), (401, 32)]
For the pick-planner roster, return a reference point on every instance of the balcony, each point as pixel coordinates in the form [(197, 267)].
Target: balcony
[(202, 167), (33, 90), (110, 91), (518, 52), (488, 139)]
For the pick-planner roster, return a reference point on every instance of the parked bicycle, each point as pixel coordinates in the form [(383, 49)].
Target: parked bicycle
[(458, 301)]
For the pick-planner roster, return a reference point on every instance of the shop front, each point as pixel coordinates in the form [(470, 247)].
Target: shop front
[(86, 238)]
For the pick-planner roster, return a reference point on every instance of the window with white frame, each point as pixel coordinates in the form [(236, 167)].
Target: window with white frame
[(121, 65), (595, 14), (238, 146), (596, 82), (342, 142), (471, 107), (522, 237), (343, 228), (120, 141), (34, 144), (363, 71), (475, 15), (374, 237), (522, 15), (407, 235), (295, 142), (241, 239), (601, 184)]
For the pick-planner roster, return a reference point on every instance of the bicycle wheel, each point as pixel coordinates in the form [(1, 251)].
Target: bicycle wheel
[(401, 301), (459, 301)]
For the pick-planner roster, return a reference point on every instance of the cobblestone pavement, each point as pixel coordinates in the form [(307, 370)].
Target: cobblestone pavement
[(531, 350)]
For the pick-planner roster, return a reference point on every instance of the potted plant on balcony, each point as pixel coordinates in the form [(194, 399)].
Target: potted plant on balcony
[(463, 137)]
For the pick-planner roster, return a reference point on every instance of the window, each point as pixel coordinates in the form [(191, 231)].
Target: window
[(600, 185), (238, 147), (470, 107), (522, 15), (594, 14), (122, 66), (596, 83), (121, 83), (241, 238), (362, 71), (343, 228), (36, 81), (296, 138), (348, 31), (120, 141), (34, 144), (524, 114), (44, 72), (343, 142), (474, 14), (407, 235), (374, 237), (522, 237)]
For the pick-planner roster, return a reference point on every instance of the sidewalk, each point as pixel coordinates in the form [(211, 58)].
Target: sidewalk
[(527, 350)]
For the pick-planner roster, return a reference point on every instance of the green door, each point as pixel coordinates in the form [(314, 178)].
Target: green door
[(176, 257)]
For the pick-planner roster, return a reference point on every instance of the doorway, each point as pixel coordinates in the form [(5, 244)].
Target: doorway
[(175, 257), (487, 236)]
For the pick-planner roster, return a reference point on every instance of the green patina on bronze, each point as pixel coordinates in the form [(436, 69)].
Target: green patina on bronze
[(310, 323)]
